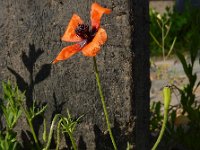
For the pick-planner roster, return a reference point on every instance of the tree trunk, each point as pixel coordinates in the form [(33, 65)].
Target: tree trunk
[(30, 32)]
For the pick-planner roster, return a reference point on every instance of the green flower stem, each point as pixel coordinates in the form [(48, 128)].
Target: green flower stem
[(51, 131), (167, 100), (163, 41), (33, 133), (161, 132), (155, 40), (58, 134), (103, 103), (72, 140), (29, 120)]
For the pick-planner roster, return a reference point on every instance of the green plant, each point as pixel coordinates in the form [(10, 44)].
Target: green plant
[(11, 112), (91, 41), (68, 126), (30, 116), (167, 101), (189, 137), (184, 24), (173, 27), (156, 117), (48, 142), (103, 103), (183, 129), (12, 106), (159, 32)]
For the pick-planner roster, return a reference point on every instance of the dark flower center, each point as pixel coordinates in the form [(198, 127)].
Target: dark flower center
[(83, 31)]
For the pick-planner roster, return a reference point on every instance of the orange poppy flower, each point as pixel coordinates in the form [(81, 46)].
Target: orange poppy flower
[(88, 40)]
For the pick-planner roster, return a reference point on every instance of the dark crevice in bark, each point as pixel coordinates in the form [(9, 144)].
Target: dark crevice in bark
[(139, 22)]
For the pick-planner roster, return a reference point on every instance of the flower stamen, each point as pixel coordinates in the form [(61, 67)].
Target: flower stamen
[(83, 31)]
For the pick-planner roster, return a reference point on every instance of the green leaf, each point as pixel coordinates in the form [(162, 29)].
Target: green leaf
[(183, 62), (40, 111)]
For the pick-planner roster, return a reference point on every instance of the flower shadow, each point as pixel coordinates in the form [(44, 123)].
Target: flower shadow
[(27, 87), (58, 106), (29, 62)]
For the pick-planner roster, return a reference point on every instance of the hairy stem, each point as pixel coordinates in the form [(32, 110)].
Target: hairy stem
[(167, 100), (162, 131), (58, 135), (51, 131), (33, 133), (72, 140), (29, 120), (103, 103)]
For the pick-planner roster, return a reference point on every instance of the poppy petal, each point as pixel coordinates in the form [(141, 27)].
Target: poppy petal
[(70, 34), (67, 52), (96, 13), (93, 47)]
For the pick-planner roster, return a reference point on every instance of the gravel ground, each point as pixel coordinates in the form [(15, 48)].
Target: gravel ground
[(160, 6), (167, 73)]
